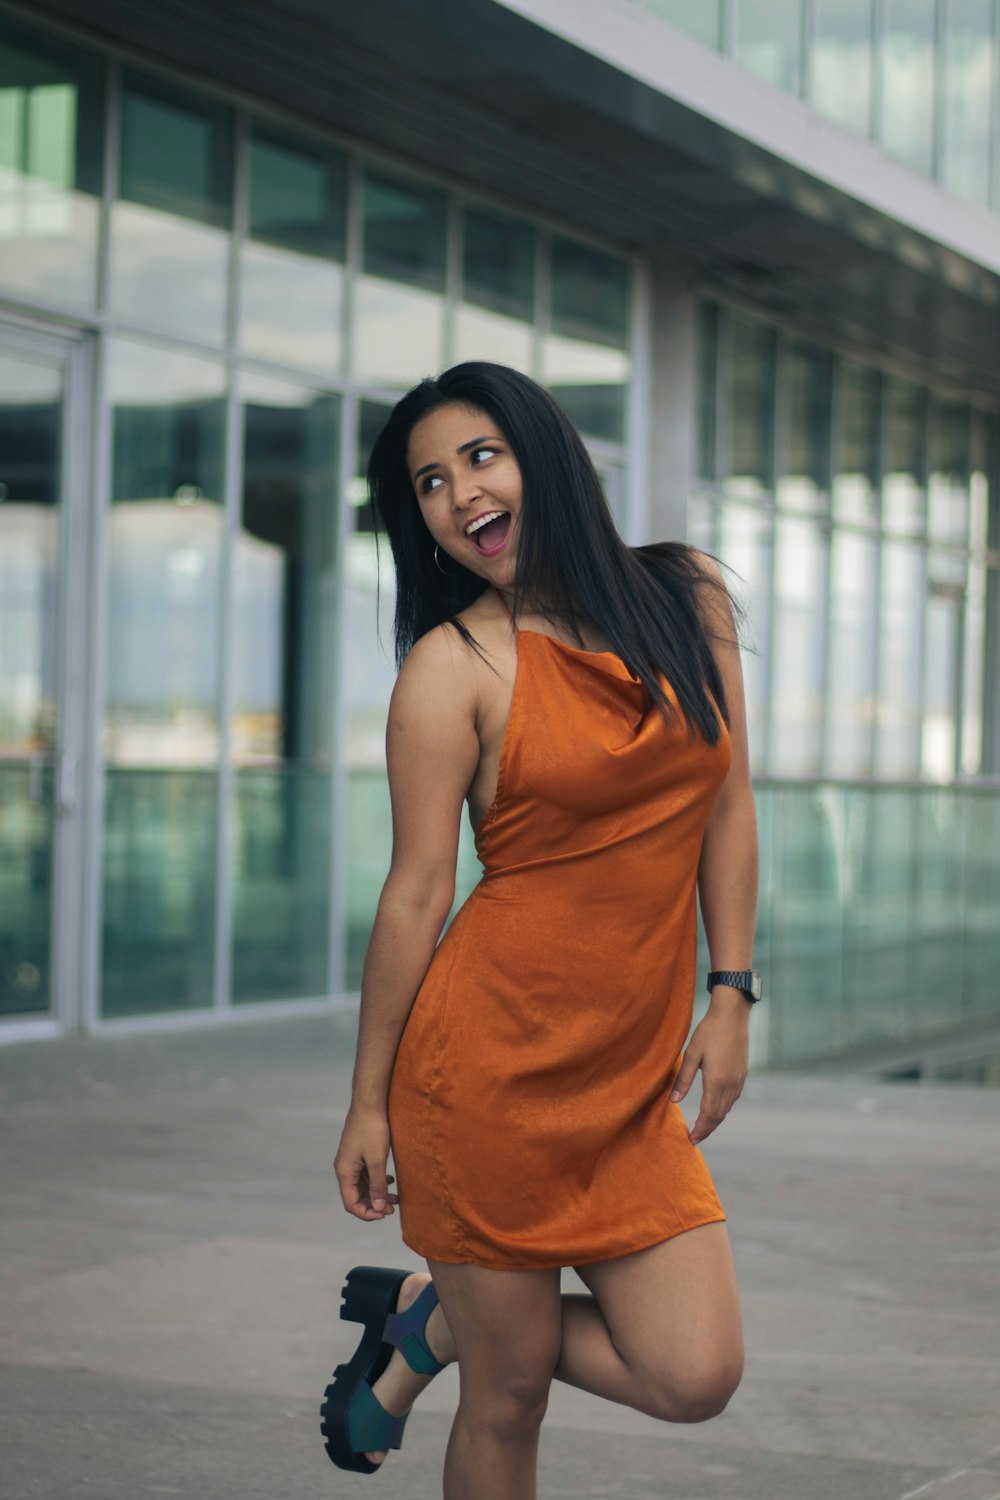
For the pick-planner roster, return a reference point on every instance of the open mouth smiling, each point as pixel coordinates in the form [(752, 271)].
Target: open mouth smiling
[(489, 531)]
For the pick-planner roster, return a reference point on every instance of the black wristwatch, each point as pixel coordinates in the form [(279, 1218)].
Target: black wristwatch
[(747, 980)]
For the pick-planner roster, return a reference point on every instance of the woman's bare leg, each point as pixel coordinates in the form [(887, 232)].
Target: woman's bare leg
[(660, 1332), (507, 1328)]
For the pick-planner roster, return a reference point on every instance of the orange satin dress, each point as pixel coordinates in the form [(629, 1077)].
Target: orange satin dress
[(529, 1106)]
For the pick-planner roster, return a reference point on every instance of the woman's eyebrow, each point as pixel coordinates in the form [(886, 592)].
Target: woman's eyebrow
[(463, 449)]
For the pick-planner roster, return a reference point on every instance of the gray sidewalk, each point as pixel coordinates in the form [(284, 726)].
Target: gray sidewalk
[(173, 1253)]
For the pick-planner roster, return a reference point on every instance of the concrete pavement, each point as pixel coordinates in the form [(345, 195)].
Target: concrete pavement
[(172, 1255)]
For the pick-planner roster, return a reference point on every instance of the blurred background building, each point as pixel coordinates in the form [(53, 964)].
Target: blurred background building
[(754, 248)]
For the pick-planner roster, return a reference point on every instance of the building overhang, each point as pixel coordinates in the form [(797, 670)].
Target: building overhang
[(595, 114)]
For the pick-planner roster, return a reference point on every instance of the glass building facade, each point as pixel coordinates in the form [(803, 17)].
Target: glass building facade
[(920, 78), (208, 304)]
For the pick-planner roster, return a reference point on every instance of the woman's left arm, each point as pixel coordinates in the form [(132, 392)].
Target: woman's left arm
[(727, 888)]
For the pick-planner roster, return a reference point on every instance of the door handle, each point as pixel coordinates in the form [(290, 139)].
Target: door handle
[(66, 782)]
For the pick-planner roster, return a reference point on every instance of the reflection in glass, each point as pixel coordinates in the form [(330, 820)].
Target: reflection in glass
[(767, 39), (744, 544), (158, 906), (170, 227), (797, 681), (900, 650), (292, 274), (701, 21), (51, 114), (805, 470), (284, 674), (841, 68), (856, 480), (708, 390), (398, 300), (948, 481), (585, 360), (877, 884), (750, 415), (969, 92), (165, 533), (164, 537), (939, 736), (906, 125), (851, 693), (30, 463), (905, 465), (494, 319)]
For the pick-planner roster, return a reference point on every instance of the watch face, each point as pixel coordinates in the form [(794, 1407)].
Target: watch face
[(755, 986)]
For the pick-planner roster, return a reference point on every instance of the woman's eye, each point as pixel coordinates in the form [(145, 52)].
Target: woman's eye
[(477, 452), (428, 482)]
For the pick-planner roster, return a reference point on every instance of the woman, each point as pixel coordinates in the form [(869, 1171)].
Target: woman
[(585, 699)]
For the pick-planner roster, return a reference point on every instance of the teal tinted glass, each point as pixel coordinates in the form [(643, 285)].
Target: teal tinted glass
[(841, 62), (908, 79), (404, 232), (590, 293), (701, 20), (51, 167), (858, 443), (708, 393), (905, 457), (498, 264), (158, 901), (767, 39), (175, 152), (752, 362), (805, 462), (969, 95), (298, 195)]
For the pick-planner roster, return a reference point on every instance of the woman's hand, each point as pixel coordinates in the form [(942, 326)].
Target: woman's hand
[(361, 1161), (720, 1047)]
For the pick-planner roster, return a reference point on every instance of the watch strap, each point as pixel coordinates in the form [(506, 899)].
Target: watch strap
[(747, 980)]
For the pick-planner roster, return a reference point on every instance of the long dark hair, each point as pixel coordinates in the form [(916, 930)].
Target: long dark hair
[(644, 599)]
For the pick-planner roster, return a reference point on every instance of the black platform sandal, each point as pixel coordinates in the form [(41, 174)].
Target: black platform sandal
[(354, 1420)]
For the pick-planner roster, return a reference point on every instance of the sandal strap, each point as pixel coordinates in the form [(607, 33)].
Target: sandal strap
[(370, 1427), (407, 1332)]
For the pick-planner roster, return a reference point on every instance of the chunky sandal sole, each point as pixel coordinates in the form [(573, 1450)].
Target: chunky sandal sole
[(369, 1296)]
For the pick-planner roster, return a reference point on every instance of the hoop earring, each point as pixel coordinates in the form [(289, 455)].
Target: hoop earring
[(436, 559)]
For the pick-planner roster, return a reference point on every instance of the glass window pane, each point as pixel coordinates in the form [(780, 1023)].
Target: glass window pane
[(51, 168), (842, 62), (948, 481), (158, 903), (292, 275), (164, 539), (941, 669), (744, 544), (708, 389), (585, 362), (805, 469), (969, 90), (851, 676), (767, 39), (494, 319), (908, 82), (856, 480), (797, 684), (170, 227), (398, 301), (905, 464), (701, 21), (750, 408), (284, 671), (31, 410), (901, 599)]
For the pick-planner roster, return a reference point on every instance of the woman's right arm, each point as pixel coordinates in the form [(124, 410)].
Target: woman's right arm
[(432, 751)]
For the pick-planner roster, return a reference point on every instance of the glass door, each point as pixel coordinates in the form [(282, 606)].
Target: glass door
[(43, 659)]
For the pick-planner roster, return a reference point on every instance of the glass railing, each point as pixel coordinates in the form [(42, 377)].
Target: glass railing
[(879, 909)]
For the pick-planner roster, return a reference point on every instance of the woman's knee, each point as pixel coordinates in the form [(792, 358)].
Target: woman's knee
[(509, 1400), (696, 1393)]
